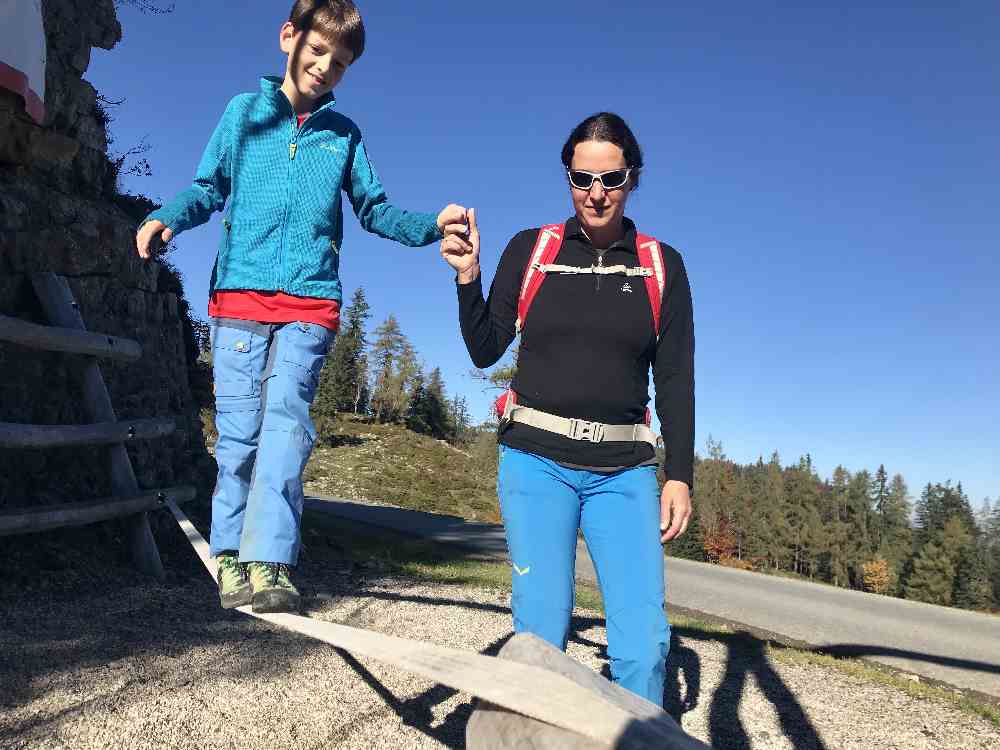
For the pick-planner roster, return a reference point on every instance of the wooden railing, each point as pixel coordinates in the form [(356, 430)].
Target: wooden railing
[(67, 333)]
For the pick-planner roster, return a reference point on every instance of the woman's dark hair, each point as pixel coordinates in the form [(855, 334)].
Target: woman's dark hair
[(605, 126)]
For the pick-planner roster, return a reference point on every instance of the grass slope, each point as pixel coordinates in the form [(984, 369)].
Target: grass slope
[(389, 464)]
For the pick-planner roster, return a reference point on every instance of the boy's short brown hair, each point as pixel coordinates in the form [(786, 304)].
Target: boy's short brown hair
[(338, 20)]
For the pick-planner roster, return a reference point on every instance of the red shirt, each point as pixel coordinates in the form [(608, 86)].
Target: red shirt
[(275, 307)]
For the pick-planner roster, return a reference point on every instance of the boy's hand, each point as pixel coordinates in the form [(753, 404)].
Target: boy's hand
[(453, 220), (462, 253), (150, 237)]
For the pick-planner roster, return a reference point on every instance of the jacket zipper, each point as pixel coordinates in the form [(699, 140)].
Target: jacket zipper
[(292, 148), (600, 264)]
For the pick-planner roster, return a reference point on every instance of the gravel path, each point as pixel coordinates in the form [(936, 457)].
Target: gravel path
[(135, 665)]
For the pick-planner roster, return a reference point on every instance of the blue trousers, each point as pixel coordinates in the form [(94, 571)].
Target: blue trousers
[(543, 505), (265, 381)]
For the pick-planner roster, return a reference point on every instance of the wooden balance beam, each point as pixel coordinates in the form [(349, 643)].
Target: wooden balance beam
[(537, 697)]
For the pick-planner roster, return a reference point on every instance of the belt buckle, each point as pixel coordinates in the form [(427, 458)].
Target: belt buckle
[(581, 429)]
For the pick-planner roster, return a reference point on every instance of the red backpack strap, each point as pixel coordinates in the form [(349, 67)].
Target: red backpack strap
[(546, 249), (651, 256)]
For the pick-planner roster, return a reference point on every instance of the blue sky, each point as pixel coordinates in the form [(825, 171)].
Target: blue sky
[(830, 174)]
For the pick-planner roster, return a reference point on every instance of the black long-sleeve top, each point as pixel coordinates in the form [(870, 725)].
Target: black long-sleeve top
[(586, 349)]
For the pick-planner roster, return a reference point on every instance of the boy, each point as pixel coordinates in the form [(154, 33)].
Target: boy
[(280, 157)]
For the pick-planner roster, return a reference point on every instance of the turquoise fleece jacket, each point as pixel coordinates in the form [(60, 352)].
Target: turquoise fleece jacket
[(284, 225)]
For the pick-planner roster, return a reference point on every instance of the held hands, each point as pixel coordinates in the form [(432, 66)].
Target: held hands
[(452, 219), (460, 249), (150, 237), (675, 510)]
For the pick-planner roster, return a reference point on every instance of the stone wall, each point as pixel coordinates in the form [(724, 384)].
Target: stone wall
[(60, 212)]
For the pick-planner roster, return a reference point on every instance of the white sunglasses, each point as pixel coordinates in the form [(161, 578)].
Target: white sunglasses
[(610, 180)]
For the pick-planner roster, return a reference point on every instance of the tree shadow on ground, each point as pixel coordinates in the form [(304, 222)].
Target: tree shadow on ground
[(858, 651), (340, 440)]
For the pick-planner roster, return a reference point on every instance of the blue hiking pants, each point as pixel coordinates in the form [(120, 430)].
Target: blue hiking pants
[(265, 380), (543, 504)]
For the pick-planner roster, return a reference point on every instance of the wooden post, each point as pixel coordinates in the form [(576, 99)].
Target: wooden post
[(60, 307), (492, 727)]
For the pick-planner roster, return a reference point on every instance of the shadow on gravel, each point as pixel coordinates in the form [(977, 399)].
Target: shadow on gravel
[(78, 622), (746, 655), (857, 651), (417, 712), (84, 615)]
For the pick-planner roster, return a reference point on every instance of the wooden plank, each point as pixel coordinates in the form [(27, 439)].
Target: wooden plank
[(57, 339), (529, 690), (60, 307), (493, 727), (61, 436), (46, 517)]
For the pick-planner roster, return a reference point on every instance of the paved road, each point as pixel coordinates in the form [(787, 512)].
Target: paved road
[(957, 647)]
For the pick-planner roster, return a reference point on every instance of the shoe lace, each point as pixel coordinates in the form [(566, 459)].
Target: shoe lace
[(274, 571), (231, 567)]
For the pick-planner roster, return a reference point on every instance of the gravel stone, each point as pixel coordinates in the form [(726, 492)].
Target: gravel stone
[(141, 665)]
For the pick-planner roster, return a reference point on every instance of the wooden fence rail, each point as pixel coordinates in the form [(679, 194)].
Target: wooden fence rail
[(46, 517), (67, 340), (68, 334), (63, 436)]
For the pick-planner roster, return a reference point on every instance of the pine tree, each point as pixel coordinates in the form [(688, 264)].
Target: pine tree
[(359, 401), (896, 535), (458, 414), (880, 499), (779, 543), (859, 523), (437, 411), (395, 366), (340, 387), (992, 534), (927, 514), (416, 418), (836, 513), (933, 577), (714, 486), (800, 507), (938, 503), (973, 588)]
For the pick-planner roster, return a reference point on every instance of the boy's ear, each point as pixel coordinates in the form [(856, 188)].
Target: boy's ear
[(286, 37)]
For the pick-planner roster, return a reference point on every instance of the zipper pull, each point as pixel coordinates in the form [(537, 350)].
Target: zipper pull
[(291, 150), (600, 264)]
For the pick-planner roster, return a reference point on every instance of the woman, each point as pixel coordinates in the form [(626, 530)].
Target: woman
[(576, 452)]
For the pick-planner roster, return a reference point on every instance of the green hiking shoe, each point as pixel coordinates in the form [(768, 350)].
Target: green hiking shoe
[(273, 590), (234, 586)]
